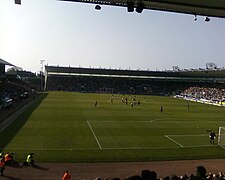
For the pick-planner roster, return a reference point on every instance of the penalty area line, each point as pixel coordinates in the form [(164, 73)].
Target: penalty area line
[(99, 145), (171, 139), (221, 146)]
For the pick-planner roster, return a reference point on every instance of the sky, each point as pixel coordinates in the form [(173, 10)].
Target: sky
[(77, 35)]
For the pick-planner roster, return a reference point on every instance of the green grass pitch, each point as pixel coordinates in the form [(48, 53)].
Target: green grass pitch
[(67, 127)]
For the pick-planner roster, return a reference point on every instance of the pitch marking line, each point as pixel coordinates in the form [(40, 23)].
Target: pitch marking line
[(7, 122), (41, 149), (177, 135), (94, 135), (128, 121), (117, 121), (113, 148), (187, 135), (158, 120), (171, 139), (222, 146)]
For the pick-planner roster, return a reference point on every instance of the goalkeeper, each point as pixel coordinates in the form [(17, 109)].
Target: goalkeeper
[(212, 137)]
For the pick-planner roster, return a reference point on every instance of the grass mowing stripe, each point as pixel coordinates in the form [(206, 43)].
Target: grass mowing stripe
[(94, 135), (174, 141)]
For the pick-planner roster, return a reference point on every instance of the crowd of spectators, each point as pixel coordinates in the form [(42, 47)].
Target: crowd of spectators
[(146, 174), (207, 93), (12, 92), (120, 85), (201, 174)]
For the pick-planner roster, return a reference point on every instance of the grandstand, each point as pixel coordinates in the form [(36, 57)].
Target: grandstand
[(3, 63), (129, 81), (12, 90), (104, 133)]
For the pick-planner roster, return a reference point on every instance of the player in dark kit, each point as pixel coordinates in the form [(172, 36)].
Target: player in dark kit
[(212, 137), (161, 109), (96, 103)]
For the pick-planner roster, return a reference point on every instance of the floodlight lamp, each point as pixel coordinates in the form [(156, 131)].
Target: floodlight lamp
[(18, 2), (207, 19), (195, 19), (98, 7), (140, 7), (130, 6)]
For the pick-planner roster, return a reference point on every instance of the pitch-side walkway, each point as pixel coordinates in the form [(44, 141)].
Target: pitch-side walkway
[(81, 171)]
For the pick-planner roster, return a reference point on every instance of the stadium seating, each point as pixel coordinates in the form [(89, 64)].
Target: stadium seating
[(12, 91)]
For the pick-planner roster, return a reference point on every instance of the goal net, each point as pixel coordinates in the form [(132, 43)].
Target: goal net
[(221, 136)]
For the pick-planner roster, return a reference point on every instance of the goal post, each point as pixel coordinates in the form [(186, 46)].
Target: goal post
[(221, 136)]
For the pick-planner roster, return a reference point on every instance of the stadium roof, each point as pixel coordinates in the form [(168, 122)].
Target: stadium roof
[(211, 8), (134, 73), (5, 62)]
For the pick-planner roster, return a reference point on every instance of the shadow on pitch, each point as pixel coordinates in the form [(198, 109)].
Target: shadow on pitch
[(8, 134)]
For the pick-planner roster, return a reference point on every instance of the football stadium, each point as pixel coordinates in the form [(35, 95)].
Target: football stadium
[(105, 115), (73, 122)]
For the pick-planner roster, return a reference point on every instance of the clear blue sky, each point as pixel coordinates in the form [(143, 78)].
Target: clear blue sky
[(75, 34)]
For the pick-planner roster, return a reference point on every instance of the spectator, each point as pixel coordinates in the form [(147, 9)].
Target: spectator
[(66, 176), (201, 172), (8, 159), (2, 166), (146, 174)]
